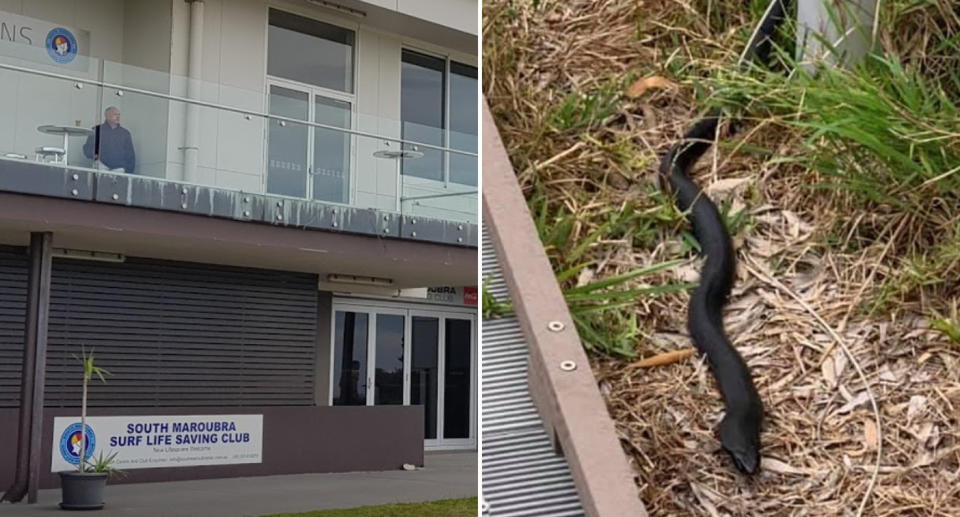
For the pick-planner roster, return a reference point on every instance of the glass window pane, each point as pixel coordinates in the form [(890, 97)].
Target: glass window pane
[(388, 383), (464, 90), (331, 151), (287, 154), (457, 375), (310, 51), (421, 111), (350, 359), (425, 340)]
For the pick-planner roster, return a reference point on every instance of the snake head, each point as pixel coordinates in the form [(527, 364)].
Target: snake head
[(740, 437)]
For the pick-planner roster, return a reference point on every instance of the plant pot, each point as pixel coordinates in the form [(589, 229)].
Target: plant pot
[(82, 490)]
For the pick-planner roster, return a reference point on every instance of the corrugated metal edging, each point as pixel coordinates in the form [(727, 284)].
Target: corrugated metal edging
[(14, 269), (522, 475), (182, 334)]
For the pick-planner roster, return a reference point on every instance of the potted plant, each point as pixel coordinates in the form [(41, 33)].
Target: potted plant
[(82, 489)]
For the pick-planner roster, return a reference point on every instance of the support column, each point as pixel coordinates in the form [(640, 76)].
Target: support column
[(191, 141), (29, 440), (845, 25)]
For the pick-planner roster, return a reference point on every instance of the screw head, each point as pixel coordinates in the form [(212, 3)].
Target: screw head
[(183, 190), (246, 199), (413, 221), (556, 326), (116, 197), (119, 93), (78, 86), (76, 177), (334, 224), (183, 205), (74, 192), (280, 203), (279, 217), (246, 213), (459, 239), (248, 117), (460, 227), (386, 230), (568, 366), (413, 234)]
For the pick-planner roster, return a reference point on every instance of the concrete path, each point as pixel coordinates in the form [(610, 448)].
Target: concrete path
[(446, 475)]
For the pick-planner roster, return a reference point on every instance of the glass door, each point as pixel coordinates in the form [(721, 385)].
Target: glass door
[(420, 357), (443, 376), (351, 331), (390, 357), (305, 161), (425, 370)]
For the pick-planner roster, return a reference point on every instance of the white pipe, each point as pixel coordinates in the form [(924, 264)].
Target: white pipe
[(191, 137)]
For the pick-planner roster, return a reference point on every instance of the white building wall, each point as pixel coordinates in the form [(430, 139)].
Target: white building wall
[(144, 44), (131, 31)]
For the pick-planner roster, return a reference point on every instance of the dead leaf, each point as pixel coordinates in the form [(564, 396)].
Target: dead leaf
[(870, 435), (706, 497), (585, 276), (829, 372), (640, 86), (887, 374), (726, 185), (859, 399), (775, 465), (917, 404), (687, 273)]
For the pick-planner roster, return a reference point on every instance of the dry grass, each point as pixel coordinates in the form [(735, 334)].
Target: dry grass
[(553, 76)]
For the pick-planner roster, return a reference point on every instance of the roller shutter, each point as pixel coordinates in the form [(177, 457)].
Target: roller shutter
[(182, 334), (14, 268)]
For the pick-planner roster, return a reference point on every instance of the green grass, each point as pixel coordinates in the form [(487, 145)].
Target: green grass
[(604, 310), (879, 139), (492, 308), (445, 508)]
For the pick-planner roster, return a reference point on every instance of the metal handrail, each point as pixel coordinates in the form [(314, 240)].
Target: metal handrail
[(214, 105)]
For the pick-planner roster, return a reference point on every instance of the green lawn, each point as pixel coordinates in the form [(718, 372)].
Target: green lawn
[(446, 508)]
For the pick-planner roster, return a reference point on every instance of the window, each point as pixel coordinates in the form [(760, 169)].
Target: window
[(310, 51), (438, 106), (463, 123), (310, 64)]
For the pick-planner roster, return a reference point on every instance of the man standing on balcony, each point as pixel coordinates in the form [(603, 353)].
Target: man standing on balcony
[(111, 144)]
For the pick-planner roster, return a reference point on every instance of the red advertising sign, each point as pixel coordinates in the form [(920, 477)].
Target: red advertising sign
[(470, 296)]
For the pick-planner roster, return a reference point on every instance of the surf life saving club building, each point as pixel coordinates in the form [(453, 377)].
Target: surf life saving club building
[(261, 217)]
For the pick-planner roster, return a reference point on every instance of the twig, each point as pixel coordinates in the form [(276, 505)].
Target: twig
[(853, 360), (664, 358)]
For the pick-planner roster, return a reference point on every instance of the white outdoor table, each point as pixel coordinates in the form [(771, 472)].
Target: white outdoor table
[(67, 132)]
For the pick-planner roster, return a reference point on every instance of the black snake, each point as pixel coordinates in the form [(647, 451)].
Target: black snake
[(739, 431)]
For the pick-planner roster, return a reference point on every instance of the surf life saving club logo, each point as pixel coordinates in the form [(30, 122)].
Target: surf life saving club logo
[(61, 45), (70, 442)]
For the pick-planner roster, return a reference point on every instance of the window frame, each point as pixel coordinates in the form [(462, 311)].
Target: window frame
[(448, 57), (312, 91)]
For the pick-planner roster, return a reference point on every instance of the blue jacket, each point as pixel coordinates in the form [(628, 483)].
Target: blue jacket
[(114, 145)]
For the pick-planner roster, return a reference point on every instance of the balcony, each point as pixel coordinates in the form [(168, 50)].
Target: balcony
[(279, 156)]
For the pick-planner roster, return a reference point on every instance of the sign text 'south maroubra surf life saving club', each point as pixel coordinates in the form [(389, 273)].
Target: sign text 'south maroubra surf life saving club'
[(160, 441)]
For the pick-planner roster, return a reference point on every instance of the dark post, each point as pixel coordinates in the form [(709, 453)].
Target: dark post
[(41, 262), (29, 446)]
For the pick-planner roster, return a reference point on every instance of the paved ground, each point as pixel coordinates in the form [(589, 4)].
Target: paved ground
[(445, 475)]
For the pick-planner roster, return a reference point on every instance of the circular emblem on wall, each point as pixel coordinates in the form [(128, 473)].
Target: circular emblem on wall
[(70, 443), (61, 45)]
